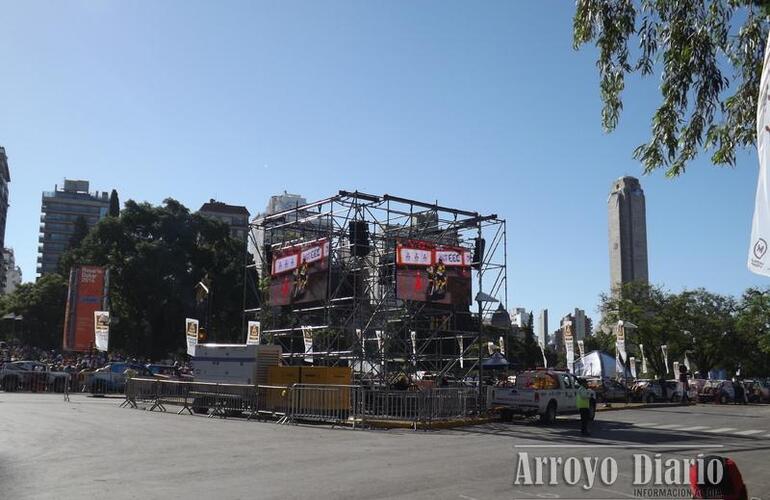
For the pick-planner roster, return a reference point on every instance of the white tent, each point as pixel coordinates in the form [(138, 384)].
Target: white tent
[(598, 364)]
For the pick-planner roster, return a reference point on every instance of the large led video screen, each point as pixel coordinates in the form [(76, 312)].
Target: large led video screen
[(300, 273), (427, 272)]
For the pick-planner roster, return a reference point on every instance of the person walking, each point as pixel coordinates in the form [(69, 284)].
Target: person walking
[(583, 404)]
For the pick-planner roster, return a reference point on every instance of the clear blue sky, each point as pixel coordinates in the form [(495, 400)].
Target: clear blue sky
[(483, 106)]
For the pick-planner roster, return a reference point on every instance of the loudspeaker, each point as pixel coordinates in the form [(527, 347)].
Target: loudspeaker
[(478, 253), (358, 234)]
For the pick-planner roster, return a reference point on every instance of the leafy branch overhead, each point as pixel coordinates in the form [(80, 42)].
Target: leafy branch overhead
[(709, 54)]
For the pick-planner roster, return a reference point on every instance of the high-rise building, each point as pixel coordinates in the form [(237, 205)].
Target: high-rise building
[(60, 210), (627, 233), (542, 327), (520, 317), (235, 216), (277, 203), (581, 324), (11, 272), (5, 179)]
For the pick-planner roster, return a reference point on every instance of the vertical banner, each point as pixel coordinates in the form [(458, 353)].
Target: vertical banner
[(87, 293), (502, 345), (632, 361), (676, 369), (462, 351), (413, 337), (644, 360), (664, 350), (687, 363), (569, 345), (307, 338), (102, 330), (191, 332), (542, 351), (760, 224), (581, 348), (620, 342), (491, 348), (254, 335)]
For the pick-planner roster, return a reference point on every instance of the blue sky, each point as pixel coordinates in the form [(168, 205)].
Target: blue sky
[(483, 106)]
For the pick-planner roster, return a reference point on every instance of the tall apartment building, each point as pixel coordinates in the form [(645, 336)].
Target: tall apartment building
[(60, 209), (542, 327), (277, 203), (5, 179), (520, 317), (10, 271), (235, 216), (627, 233)]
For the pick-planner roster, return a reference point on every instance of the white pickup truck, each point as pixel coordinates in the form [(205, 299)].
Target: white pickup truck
[(546, 393)]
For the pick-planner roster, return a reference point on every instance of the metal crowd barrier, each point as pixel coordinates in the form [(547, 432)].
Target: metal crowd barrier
[(334, 404)]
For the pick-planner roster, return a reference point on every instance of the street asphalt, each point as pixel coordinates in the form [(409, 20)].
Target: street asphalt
[(90, 448)]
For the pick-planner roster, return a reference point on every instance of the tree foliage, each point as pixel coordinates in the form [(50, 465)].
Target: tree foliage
[(709, 54), (156, 255), (715, 331), (41, 304), (114, 204)]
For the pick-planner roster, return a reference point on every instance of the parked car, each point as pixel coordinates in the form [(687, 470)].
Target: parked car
[(112, 377), (607, 390), (31, 375), (648, 391), (718, 391)]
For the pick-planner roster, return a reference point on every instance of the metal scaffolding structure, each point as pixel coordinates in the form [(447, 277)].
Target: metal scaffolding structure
[(359, 321)]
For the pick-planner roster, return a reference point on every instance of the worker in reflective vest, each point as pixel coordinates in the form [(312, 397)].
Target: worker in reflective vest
[(583, 404)]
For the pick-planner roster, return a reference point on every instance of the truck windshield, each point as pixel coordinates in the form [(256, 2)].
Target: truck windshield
[(536, 380)]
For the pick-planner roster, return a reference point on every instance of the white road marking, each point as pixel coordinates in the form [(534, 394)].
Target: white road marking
[(696, 428), (722, 430), (666, 426), (645, 424), (747, 433)]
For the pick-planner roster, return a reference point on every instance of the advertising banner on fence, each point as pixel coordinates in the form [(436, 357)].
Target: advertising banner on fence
[(307, 338), (88, 287), (191, 333), (300, 273), (427, 272), (254, 335), (102, 330)]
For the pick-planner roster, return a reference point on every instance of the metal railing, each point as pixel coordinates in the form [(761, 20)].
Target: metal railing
[(351, 405)]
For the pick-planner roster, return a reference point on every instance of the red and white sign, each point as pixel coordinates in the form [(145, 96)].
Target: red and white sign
[(450, 257), (312, 254), (414, 256)]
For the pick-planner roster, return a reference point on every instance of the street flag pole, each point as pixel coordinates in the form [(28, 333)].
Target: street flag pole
[(758, 262)]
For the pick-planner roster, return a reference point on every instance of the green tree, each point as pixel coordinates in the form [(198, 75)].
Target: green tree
[(42, 305), (114, 204), (753, 330), (80, 232), (156, 256), (709, 55)]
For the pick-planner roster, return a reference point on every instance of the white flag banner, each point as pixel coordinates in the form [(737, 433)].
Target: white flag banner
[(581, 348), (569, 346), (491, 347), (191, 331), (760, 224), (254, 333), (676, 369), (620, 344), (664, 350), (687, 362), (380, 338), (102, 330), (462, 351), (502, 346), (632, 362), (413, 336), (644, 360), (307, 337)]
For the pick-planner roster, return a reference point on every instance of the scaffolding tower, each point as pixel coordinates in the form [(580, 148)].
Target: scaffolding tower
[(359, 321)]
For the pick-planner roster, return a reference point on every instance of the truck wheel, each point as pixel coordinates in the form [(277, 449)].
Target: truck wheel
[(722, 399), (549, 416)]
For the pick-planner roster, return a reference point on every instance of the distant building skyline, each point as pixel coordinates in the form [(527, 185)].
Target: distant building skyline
[(542, 327), (627, 218), (60, 210), (11, 272), (5, 179)]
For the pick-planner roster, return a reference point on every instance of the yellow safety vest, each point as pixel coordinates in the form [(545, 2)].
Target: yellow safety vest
[(581, 398)]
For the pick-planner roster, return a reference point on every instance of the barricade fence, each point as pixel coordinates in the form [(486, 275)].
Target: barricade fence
[(335, 404)]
